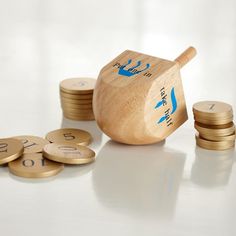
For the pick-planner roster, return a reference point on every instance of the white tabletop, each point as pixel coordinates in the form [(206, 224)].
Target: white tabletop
[(172, 188)]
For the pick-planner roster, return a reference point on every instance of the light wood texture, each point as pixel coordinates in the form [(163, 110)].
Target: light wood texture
[(186, 56), (129, 102)]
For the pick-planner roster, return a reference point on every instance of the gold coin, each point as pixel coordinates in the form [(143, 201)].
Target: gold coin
[(32, 144), (212, 109), (75, 136), (76, 106), (79, 114), (78, 85), (213, 145), (213, 122), (33, 165), (79, 117), (210, 137), (77, 96), (215, 130), (213, 118), (10, 149), (68, 153), (76, 101), (78, 111)]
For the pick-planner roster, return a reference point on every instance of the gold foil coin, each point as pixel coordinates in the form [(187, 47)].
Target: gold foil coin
[(76, 136), (212, 109), (33, 165), (10, 149), (78, 85), (68, 153), (215, 130), (32, 144), (214, 145)]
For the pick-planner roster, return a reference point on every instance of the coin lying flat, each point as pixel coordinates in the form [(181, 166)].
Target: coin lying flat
[(75, 136), (68, 153), (210, 137), (213, 145), (77, 96), (82, 116), (213, 121), (212, 109), (32, 144), (78, 118), (78, 85), (69, 105), (76, 101), (215, 130), (77, 111), (10, 149), (33, 165), (76, 106)]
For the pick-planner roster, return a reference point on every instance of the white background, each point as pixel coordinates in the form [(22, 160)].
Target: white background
[(172, 188)]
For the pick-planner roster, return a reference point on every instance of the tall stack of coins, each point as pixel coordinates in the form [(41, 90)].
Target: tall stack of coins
[(214, 123), (76, 98)]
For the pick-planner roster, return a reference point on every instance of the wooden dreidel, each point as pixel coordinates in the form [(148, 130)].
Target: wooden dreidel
[(139, 99)]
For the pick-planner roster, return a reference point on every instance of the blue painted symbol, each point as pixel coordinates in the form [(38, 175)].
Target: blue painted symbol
[(174, 105), (131, 71)]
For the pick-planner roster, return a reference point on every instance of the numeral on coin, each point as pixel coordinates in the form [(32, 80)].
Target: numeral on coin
[(28, 163), (211, 106), (3, 147), (27, 143), (68, 149), (69, 136), (31, 163)]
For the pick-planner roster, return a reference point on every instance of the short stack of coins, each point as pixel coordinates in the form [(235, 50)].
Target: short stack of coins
[(76, 98), (215, 126)]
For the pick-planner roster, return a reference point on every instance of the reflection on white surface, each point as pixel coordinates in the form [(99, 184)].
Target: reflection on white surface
[(141, 180), (212, 168), (45, 41)]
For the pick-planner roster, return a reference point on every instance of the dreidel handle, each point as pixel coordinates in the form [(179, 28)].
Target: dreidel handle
[(186, 56)]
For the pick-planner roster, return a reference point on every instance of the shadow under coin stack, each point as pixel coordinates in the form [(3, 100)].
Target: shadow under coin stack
[(214, 123), (77, 97)]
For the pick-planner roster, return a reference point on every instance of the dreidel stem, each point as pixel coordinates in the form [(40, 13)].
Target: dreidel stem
[(186, 56)]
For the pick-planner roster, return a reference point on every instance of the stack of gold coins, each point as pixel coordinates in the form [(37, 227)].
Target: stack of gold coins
[(214, 123), (77, 97)]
